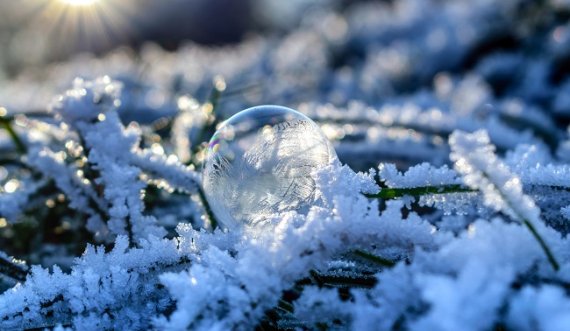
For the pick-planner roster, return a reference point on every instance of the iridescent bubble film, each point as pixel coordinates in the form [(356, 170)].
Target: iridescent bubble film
[(259, 162)]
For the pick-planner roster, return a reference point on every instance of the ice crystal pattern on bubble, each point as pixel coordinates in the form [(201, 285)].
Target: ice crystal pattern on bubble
[(260, 162)]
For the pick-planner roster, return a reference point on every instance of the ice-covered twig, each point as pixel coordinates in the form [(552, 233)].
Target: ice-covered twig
[(81, 194), (12, 268), (114, 159), (420, 180), (388, 193), (474, 157), (374, 258), (166, 168)]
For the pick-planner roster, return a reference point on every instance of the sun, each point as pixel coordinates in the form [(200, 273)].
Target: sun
[(79, 3)]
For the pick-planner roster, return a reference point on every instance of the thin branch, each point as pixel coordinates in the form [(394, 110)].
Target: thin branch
[(374, 258), (13, 161), (12, 269), (529, 225), (543, 244), (210, 125), (388, 193), (213, 220), (6, 123), (362, 281)]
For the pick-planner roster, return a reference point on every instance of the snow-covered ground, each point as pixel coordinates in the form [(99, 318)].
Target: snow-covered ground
[(448, 207)]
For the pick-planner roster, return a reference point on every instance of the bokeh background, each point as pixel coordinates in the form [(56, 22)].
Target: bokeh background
[(373, 73), (36, 32), (479, 60)]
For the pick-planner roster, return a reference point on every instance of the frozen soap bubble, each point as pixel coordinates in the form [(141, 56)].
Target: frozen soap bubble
[(259, 162)]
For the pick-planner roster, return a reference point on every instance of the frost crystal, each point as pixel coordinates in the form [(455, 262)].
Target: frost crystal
[(474, 157), (87, 100)]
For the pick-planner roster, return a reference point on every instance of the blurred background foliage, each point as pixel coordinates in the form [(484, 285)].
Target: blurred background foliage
[(36, 32)]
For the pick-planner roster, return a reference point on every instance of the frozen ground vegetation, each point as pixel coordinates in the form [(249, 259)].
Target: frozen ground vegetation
[(448, 208)]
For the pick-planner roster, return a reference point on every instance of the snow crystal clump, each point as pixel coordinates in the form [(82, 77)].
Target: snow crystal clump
[(87, 100), (420, 175), (240, 289)]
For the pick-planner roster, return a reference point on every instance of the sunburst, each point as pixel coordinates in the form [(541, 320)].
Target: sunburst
[(84, 25), (80, 2)]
